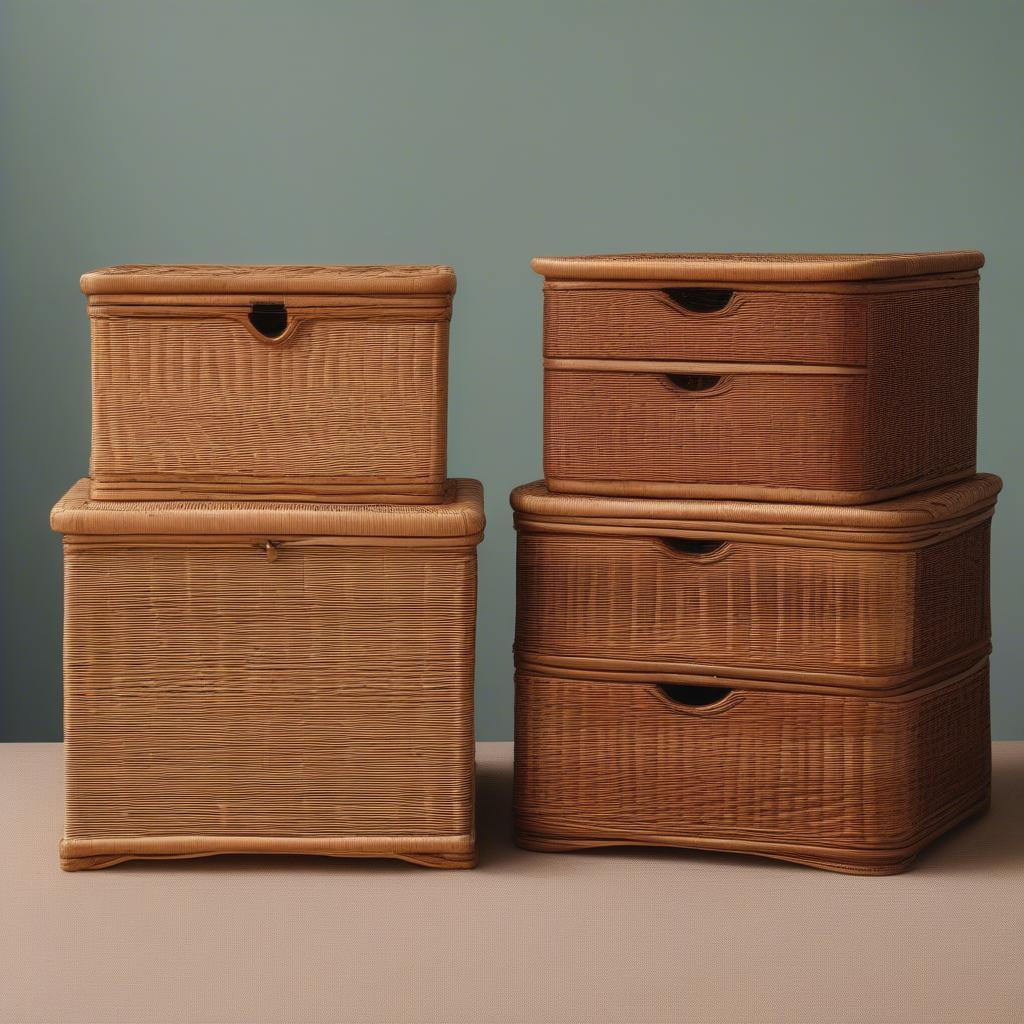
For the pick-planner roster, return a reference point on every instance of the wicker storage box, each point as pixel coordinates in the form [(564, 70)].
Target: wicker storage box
[(276, 383), (818, 598), (825, 379), (269, 678), (855, 784)]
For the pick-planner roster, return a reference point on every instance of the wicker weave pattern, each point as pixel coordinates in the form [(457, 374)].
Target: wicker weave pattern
[(757, 327), (755, 433), (849, 783), (851, 609), (193, 406), (791, 609), (837, 397), (311, 696)]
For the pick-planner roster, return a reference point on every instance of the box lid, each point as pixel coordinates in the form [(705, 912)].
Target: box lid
[(909, 520), (760, 267), (460, 515), (212, 279)]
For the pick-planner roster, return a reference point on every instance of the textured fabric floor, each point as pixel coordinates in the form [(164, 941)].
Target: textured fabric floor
[(623, 936)]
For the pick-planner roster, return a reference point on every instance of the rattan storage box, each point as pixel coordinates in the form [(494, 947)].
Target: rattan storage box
[(854, 784), (833, 379), (277, 383), (269, 678), (850, 599)]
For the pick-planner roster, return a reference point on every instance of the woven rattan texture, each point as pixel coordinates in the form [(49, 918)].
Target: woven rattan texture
[(766, 327), (218, 699), (849, 783), (906, 422), (855, 618), (344, 409)]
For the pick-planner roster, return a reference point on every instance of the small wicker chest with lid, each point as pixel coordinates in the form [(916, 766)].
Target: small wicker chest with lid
[(269, 677), (270, 383), (810, 378)]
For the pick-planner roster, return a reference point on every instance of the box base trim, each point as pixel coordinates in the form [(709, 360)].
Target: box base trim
[(838, 859), (426, 851)]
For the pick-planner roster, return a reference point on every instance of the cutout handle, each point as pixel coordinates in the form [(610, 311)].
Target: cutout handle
[(269, 320), (700, 300), (690, 696), (690, 546), (693, 382)]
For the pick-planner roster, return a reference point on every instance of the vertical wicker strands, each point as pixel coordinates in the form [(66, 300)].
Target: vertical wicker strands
[(261, 677)]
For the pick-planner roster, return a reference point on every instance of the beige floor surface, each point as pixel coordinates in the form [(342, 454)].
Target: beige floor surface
[(623, 936)]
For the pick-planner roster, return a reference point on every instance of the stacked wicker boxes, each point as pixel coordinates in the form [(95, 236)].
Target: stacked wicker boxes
[(270, 586), (753, 592)]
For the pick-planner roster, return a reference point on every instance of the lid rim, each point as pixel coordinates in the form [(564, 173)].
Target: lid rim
[(258, 279), (947, 502), (459, 517), (756, 267)]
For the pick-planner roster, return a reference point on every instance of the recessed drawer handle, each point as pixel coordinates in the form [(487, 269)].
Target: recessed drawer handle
[(693, 381), (690, 696), (700, 300), (689, 546), (269, 320)]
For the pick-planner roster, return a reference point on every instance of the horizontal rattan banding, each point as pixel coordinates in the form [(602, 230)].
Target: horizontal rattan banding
[(755, 267), (753, 493), (459, 517), (643, 673), (675, 366), (243, 489), (269, 279), (912, 520)]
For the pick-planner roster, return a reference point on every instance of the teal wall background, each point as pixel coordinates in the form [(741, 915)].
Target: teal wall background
[(481, 134)]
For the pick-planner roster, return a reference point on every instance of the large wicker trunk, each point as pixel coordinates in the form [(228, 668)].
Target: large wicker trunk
[(824, 379), (277, 383), (855, 784), (265, 677), (831, 599)]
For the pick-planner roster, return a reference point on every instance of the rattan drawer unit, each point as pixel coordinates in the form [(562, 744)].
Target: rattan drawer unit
[(807, 378), (269, 678), (270, 383), (851, 599), (854, 784)]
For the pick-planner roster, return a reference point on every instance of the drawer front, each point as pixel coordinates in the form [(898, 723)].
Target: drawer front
[(756, 326), (605, 761), (211, 691), (201, 399), (745, 431), (652, 603)]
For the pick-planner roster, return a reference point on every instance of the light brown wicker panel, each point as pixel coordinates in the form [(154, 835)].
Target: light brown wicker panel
[(345, 400), (860, 599), (295, 679), (853, 784), (826, 379)]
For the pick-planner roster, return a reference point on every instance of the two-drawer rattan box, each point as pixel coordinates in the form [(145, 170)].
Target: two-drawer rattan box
[(269, 677), (798, 681), (833, 379), (270, 383)]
